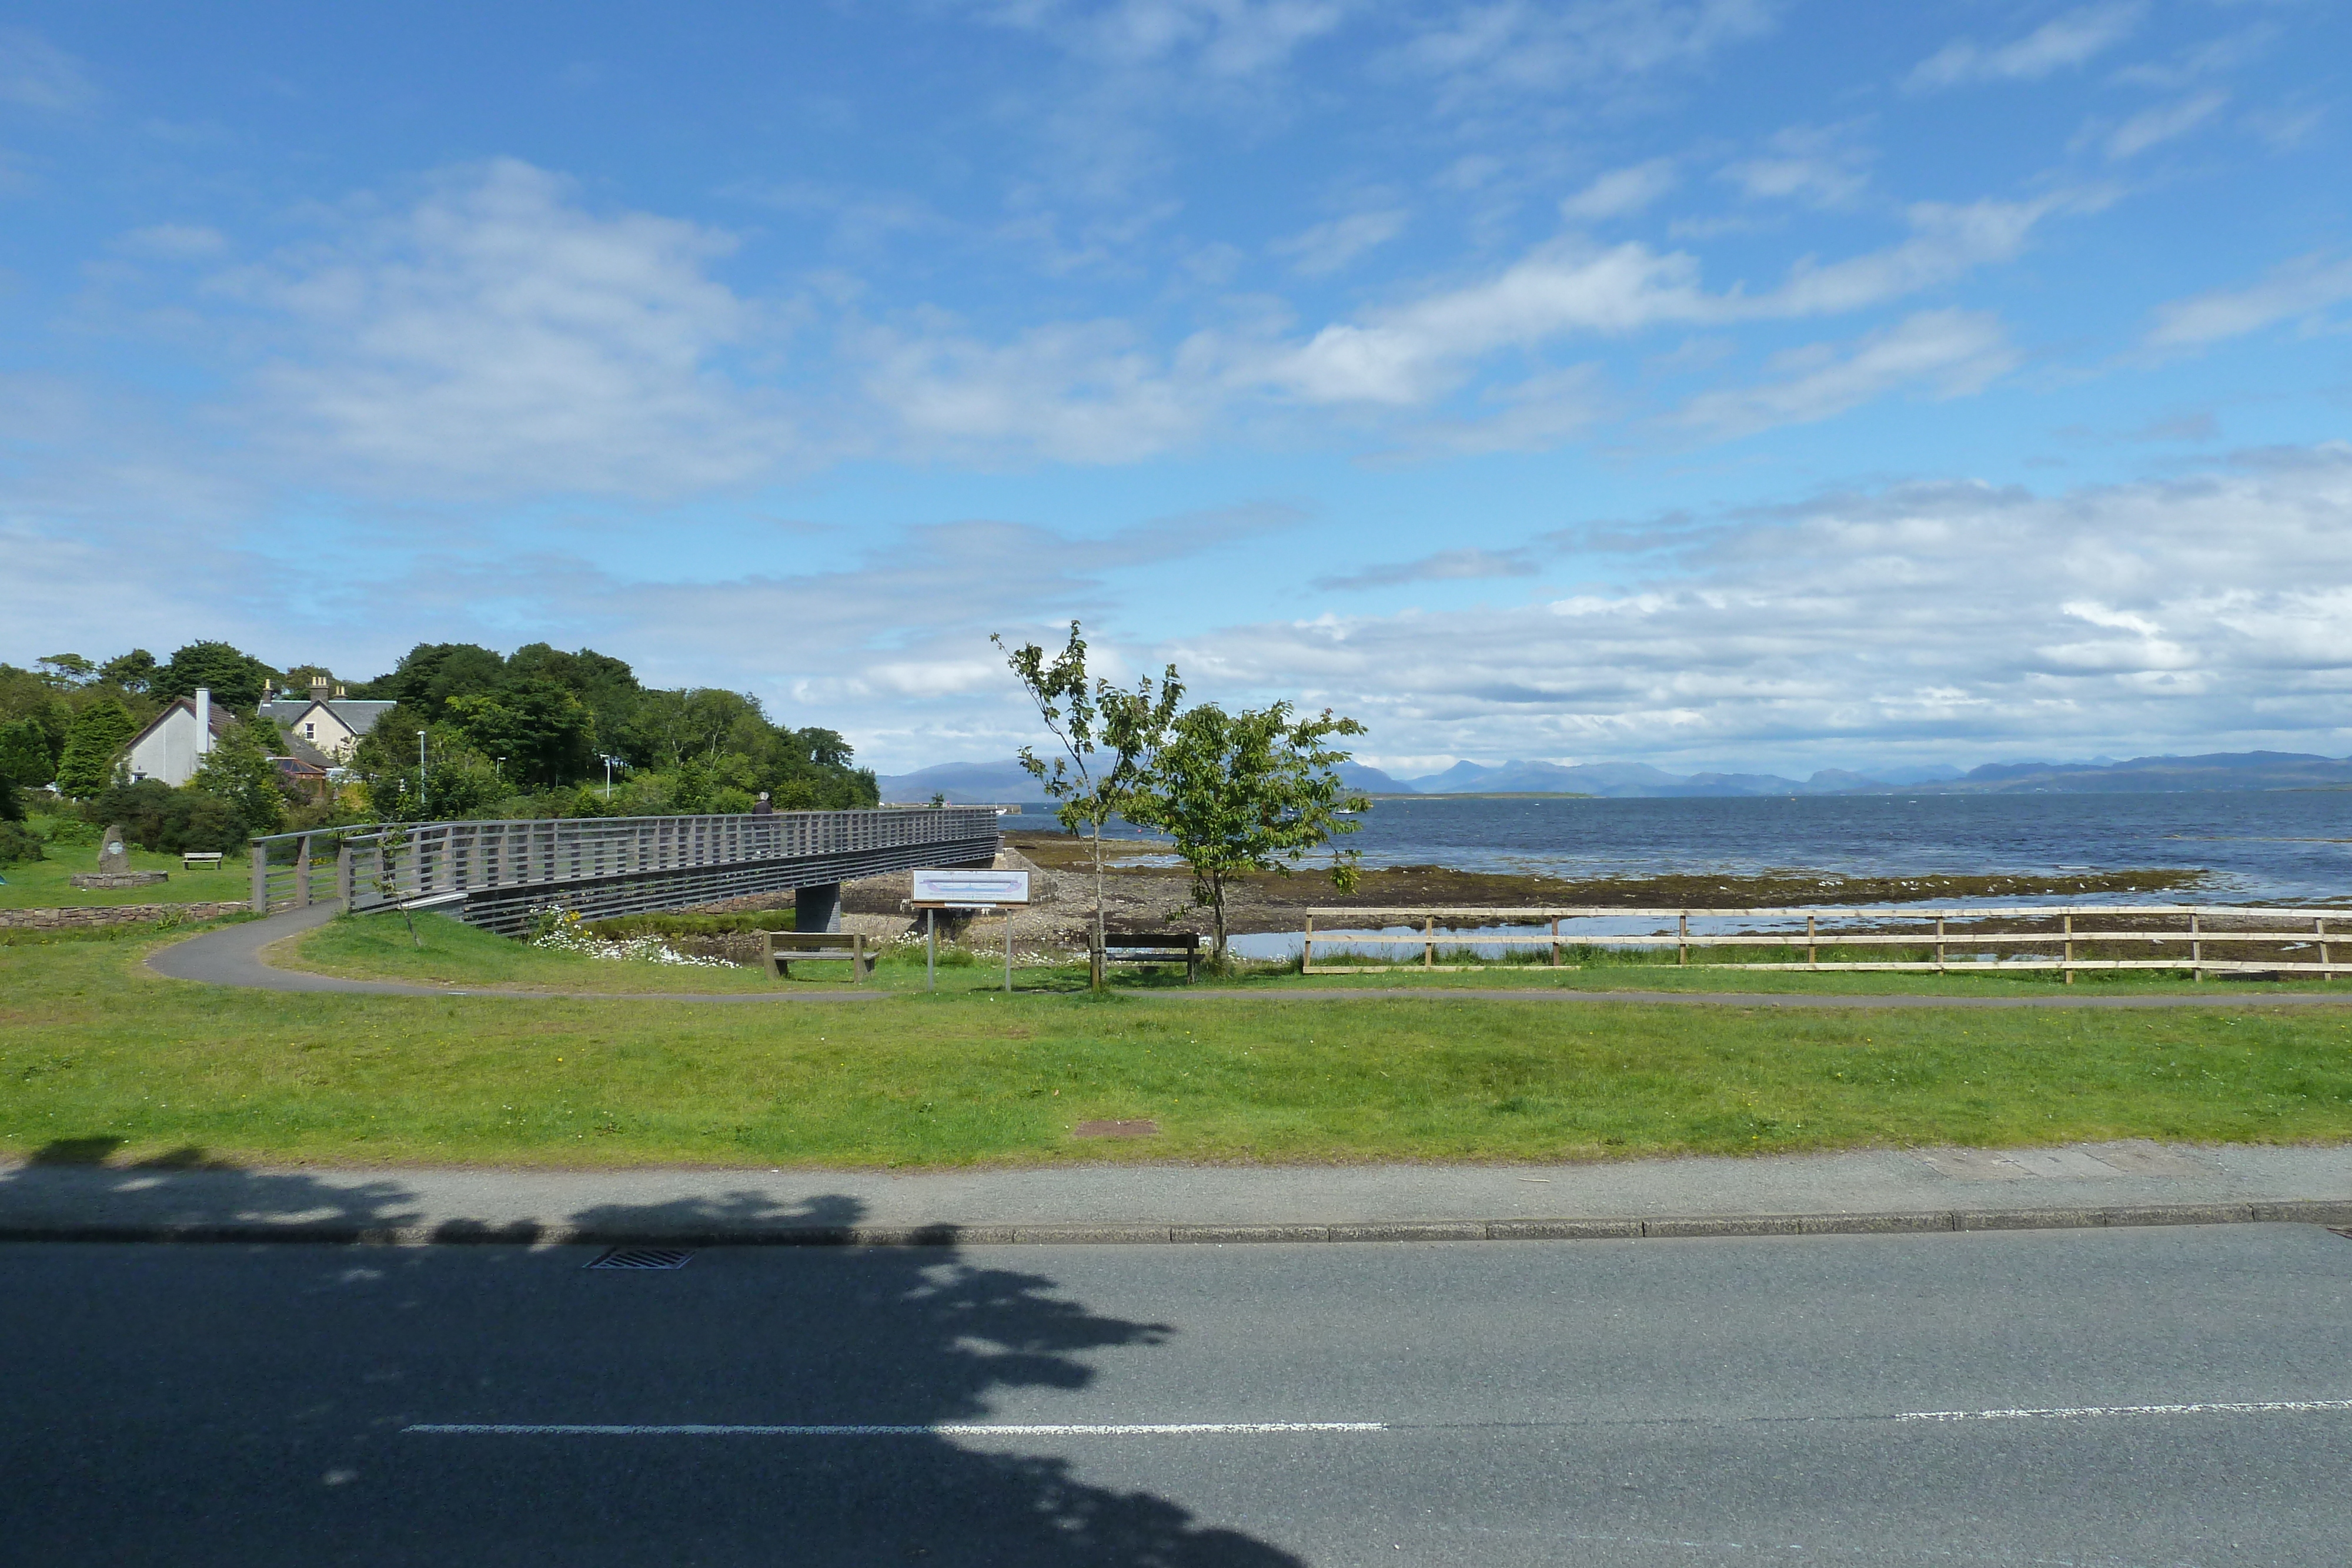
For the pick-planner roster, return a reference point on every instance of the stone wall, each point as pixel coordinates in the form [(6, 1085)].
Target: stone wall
[(80, 915)]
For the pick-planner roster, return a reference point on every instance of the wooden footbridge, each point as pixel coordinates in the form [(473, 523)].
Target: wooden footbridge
[(495, 873)]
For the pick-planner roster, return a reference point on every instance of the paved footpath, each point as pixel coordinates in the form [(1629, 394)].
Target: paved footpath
[(1889, 1190), (233, 955)]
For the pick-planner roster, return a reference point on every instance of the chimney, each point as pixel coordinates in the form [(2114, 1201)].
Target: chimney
[(320, 686), (204, 720)]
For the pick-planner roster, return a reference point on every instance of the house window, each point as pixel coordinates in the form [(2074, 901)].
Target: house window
[(309, 732)]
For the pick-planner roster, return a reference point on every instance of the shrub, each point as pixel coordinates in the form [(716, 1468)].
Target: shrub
[(17, 845), (154, 816)]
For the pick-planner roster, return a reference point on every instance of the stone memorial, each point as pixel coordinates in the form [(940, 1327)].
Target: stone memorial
[(114, 865)]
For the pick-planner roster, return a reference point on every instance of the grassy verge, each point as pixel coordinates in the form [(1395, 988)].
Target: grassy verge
[(98, 1052)]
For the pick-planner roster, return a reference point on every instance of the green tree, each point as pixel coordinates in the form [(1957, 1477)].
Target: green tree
[(457, 782), (234, 677), (24, 753), (1252, 790), (546, 734), (238, 772), (1106, 735), (132, 672), (606, 687), (98, 734), (430, 673), (66, 670)]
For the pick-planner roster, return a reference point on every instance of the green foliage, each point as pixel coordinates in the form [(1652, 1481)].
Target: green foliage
[(132, 672), (234, 677), (1106, 734), (1252, 790), (98, 734), (17, 845), (25, 754), (156, 817), (457, 782), (66, 669), (546, 734), (238, 773), (430, 673)]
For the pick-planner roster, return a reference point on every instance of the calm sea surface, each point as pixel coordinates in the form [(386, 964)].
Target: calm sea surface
[(2260, 845)]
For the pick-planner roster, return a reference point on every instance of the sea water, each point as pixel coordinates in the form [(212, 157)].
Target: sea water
[(2258, 846)]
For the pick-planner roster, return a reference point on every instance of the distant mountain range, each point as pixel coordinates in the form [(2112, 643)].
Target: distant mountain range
[(966, 783)]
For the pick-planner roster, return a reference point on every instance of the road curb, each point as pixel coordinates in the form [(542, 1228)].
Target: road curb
[(533, 1233)]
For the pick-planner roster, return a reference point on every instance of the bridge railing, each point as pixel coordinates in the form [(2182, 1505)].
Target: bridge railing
[(384, 862)]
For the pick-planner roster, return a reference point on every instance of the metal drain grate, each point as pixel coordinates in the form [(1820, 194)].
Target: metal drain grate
[(641, 1258)]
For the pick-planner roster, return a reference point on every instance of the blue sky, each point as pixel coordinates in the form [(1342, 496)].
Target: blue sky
[(1742, 383)]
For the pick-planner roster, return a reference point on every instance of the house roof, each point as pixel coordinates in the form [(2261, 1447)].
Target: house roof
[(222, 718), (357, 714)]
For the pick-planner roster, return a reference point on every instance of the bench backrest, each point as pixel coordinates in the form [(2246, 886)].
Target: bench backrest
[(1185, 940)]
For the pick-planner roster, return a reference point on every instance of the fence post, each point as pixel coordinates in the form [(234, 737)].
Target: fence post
[(1555, 941), (1682, 936), (1429, 942), (343, 874), (1812, 944), (2319, 929), (302, 872), (2196, 952), (2067, 965), (260, 852), (1307, 946), (1939, 944)]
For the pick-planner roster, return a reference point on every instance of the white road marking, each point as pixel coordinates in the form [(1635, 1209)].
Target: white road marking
[(933, 1430), (2233, 1407)]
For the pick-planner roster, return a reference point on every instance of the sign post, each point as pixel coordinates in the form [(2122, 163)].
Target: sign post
[(934, 890)]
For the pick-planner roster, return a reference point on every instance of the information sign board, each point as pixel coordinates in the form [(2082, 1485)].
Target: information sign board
[(969, 889)]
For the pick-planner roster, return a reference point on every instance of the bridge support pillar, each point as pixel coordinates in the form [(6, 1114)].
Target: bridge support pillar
[(817, 908)]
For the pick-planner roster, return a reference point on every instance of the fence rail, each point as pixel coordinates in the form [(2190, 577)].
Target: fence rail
[(604, 865), (2201, 939)]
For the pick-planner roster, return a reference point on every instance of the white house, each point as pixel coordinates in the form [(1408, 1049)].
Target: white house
[(332, 725), (175, 741)]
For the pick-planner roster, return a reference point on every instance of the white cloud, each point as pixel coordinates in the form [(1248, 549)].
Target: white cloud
[(1407, 354), (2063, 41), (1078, 392), (1948, 353), (1820, 167), (1328, 247), (494, 335), (1947, 621), (37, 74), (1946, 240), (2162, 124), (1226, 39), (176, 242), (1518, 46), (2302, 287), (1445, 566), (1621, 191)]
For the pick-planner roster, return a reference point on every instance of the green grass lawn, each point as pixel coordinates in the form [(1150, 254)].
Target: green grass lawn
[(97, 1051), (378, 947), (46, 885)]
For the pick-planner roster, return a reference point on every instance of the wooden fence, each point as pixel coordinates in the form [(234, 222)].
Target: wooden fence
[(2200, 939)]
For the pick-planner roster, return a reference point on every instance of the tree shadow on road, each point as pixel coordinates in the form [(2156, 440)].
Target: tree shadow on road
[(301, 1372)]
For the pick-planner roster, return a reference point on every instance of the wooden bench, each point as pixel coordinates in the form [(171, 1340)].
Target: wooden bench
[(785, 948), (1150, 947), (200, 860)]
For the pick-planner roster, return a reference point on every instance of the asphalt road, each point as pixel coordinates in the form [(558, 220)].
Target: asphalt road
[(1694, 1402)]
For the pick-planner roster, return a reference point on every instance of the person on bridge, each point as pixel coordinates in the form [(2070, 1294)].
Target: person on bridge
[(763, 807)]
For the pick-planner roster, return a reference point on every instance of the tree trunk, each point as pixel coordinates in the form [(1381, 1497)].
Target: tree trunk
[(1096, 823), (1217, 913)]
